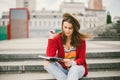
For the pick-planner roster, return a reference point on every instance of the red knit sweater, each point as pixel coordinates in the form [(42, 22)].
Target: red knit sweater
[(55, 48)]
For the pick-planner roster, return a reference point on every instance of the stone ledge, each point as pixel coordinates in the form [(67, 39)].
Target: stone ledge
[(40, 68), (32, 56)]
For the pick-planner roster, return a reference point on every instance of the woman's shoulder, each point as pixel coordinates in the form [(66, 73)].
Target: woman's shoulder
[(83, 41), (58, 36)]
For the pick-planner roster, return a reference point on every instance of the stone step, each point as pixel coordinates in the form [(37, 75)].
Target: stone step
[(37, 65), (103, 55), (96, 75), (34, 55)]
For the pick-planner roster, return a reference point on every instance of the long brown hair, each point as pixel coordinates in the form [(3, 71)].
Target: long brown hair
[(76, 36)]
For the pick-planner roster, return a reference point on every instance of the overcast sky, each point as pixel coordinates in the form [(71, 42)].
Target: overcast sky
[(111, 5)]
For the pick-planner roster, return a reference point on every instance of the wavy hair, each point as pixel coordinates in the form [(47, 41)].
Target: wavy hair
[(76, 36)]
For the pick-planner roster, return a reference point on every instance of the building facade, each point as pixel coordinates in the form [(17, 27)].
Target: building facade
[(30, 4), (42, 21), (95, 4)]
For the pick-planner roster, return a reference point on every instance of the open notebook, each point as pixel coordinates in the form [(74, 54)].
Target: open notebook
[(50, 58)]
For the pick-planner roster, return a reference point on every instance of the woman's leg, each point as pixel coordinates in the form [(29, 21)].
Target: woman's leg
[(56, 70), (76, 72)]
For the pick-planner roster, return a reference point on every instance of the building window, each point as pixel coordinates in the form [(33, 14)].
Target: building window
[(26, 3), (34, 16), (3, 23), (54, 16), (90, 25)]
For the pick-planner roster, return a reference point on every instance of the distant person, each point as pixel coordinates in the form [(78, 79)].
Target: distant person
[(70, 45)]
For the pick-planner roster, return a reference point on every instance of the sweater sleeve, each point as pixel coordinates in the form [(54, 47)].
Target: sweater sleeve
[(51, 48), (81, 54)]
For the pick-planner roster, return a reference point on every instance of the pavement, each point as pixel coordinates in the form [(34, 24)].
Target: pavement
[(39, 45)]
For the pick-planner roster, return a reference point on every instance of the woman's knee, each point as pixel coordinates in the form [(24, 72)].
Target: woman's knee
[(77, 69), (46, 63)]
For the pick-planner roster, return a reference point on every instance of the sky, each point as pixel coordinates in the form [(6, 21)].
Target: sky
[(110, 5)]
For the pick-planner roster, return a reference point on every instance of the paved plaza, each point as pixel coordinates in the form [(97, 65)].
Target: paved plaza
[(39, 44)]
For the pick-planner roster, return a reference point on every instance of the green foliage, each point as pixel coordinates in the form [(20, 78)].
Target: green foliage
[(109, 18)]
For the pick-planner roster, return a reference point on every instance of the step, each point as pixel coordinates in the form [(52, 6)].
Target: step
[(103, 64), (97, 75), (37, 65), (103, 55), (34, 55)]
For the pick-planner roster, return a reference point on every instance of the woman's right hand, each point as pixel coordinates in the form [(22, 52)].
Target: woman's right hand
[(52, 34)]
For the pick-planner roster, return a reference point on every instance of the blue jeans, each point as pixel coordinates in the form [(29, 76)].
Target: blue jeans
[(74, 73)]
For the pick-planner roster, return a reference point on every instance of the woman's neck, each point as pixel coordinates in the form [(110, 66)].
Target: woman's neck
[(67, 44), (69, 38)]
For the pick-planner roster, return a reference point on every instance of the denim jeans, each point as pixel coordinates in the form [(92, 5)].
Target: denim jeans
[(74, 73)]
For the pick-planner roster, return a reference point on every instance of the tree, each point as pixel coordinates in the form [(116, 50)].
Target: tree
[(109, 18)]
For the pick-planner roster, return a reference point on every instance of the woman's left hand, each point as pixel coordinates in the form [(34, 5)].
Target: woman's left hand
[(67, 62)]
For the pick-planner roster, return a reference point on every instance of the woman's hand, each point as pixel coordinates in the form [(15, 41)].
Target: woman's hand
[(52, 34), (67, 62)]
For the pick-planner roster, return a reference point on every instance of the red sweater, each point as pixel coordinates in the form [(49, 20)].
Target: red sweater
[(55, 45)]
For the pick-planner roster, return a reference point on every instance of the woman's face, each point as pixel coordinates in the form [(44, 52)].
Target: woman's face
[(67, 29)]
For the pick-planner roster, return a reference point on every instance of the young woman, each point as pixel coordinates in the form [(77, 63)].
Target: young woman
[(70, 45)]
